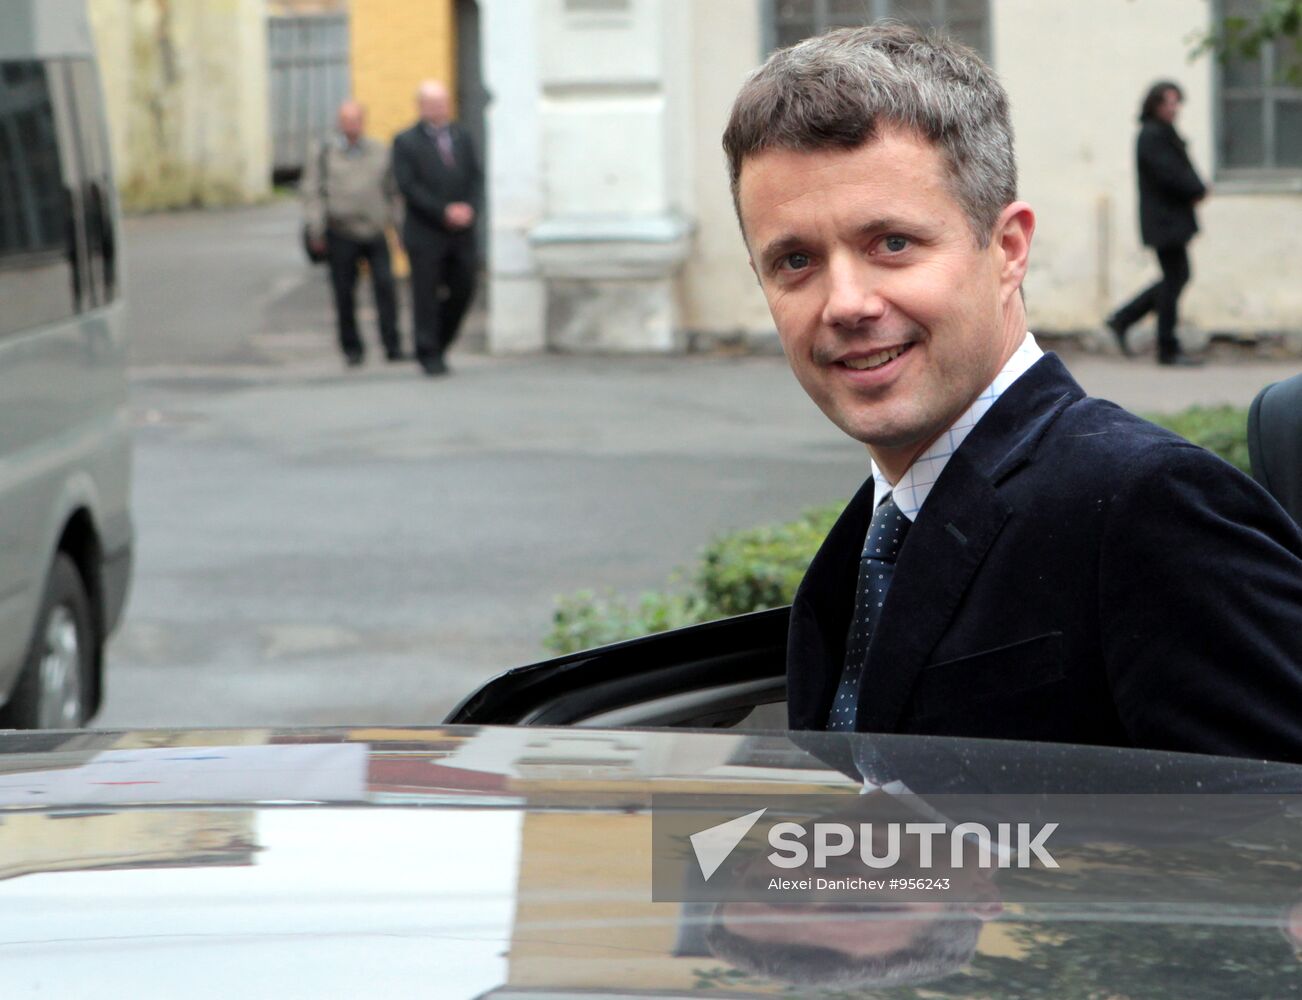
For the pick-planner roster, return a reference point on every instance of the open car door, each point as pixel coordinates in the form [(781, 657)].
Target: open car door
[(730, 672)]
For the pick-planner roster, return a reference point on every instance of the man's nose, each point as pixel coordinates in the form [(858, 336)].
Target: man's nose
[(853, 297)]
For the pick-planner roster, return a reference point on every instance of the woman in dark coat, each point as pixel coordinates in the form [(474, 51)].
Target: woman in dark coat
[(1169, 187)]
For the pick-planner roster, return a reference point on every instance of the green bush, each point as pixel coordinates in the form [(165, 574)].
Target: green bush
[(1220, 429), (760, 568), (743, 571), (585, 619)]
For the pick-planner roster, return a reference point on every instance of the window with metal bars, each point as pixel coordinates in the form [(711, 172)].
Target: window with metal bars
[(967, 21), (1259, 105)]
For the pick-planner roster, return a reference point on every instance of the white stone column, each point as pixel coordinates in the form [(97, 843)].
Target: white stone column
[(615, 233), (517, 303)]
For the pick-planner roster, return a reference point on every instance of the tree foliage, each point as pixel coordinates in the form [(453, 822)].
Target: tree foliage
[(1240, 37)]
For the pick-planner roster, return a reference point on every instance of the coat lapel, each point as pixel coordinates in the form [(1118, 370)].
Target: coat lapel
[(960, 521), (962, 517), (821, 613)]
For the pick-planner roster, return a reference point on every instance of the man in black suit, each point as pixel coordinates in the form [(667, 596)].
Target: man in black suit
[(439, 175), (1169, 187), (1024, 562)]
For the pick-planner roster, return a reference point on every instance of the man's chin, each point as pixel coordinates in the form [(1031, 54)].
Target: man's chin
[(878, 436), (889, 435)]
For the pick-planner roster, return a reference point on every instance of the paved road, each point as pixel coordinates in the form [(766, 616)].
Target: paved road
[(322, 546)]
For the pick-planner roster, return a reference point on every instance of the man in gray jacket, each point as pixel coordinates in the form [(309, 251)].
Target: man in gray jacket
[(349, 201)]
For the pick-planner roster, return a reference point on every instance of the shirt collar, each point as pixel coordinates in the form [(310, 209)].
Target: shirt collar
[(914, 486)]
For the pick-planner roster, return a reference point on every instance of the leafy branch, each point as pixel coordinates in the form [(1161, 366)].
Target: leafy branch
[(1238, 37)]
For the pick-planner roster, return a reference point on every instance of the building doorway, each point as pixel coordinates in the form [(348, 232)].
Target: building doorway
[(472, 101)]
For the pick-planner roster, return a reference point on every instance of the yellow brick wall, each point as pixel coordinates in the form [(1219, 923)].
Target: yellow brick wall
[(566, 935), (396, 44)]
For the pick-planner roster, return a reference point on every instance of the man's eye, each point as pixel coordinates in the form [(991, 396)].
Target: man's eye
[(896, 244), (794, 262)]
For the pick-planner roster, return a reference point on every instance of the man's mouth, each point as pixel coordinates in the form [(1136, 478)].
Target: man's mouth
[(877, 360)]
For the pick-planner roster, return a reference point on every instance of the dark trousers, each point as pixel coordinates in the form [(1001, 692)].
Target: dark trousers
[(442, 284), (345, 254), (1162, 296)]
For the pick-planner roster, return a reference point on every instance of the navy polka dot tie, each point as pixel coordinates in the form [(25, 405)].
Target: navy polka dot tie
[(876, 565)]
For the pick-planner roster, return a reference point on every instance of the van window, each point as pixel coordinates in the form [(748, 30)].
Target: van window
[(95, 184), (39, 280)]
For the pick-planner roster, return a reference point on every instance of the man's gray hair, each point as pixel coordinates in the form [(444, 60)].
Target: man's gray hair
[(839, 90), (943, 945)]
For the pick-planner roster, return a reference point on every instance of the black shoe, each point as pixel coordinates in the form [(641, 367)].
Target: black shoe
[(1119, 333), (1180, 360), (353, 360), (394, 356), (433, 366)]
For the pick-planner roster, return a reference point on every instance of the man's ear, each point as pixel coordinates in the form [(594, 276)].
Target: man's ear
[(1012, 238)]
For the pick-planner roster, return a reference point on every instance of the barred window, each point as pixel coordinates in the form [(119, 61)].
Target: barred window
[(1259, 111), (967, 21)]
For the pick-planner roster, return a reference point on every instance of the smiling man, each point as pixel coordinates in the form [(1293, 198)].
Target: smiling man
[(1024, 561)]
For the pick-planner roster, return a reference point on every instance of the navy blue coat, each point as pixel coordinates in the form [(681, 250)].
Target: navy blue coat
[(1076, 575)]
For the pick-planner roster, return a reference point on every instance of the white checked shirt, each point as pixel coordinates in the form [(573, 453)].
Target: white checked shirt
[(915, 485)]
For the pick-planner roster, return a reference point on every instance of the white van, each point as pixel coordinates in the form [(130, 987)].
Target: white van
[(65, 527)]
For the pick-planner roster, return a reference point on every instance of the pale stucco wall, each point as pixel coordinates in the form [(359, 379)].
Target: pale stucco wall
[(185, 85), (1075, 73), (720, 293)]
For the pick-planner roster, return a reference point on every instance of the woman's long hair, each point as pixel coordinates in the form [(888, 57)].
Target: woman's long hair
[(1156, 94)]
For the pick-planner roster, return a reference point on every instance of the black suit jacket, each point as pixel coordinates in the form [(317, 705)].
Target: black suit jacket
[(1076, 575), (429, 185), (1168, 186)]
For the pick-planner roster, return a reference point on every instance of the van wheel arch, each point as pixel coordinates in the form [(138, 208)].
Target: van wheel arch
[(80, 542), (54, 688)]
